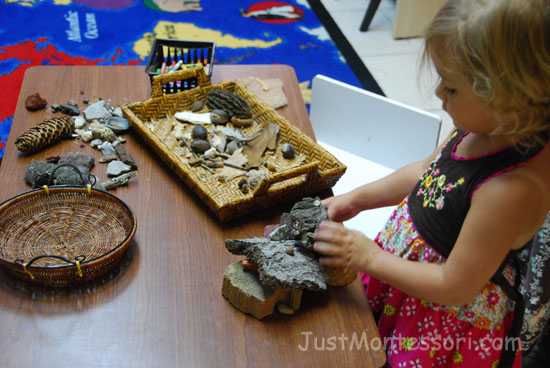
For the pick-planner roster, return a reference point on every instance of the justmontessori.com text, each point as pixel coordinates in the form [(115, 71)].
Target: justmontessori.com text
[(361, 341)]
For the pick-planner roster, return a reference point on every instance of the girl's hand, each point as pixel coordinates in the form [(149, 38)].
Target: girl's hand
[(344, 247), (340, 208)]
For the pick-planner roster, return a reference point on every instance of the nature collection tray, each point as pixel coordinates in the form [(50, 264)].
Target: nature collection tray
[(314, 170)]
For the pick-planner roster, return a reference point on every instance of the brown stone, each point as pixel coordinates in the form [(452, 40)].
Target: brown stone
[(35, 102)]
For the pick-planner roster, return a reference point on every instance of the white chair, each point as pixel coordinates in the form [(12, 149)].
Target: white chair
[(372, 135)]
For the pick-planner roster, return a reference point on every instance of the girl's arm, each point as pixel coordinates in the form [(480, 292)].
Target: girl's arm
[(387, 191), (504, 215)]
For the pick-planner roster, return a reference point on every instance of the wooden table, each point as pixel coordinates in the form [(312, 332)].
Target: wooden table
[(162, 306)]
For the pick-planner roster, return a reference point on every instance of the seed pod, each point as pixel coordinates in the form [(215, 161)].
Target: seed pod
[(44, 134), (231, 103)]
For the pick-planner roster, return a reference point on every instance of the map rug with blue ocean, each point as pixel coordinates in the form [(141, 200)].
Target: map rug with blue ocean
[(121, 32)]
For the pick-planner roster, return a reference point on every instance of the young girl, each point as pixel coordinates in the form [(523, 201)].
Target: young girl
[(439, 272)]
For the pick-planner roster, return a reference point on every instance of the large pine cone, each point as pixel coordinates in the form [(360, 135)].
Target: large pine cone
[(44, 134), (231, 103)]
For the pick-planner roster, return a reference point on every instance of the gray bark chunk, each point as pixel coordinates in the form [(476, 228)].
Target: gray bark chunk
[(277, 268)]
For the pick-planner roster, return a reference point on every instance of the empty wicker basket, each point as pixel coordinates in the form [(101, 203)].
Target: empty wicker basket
[(63, 235)]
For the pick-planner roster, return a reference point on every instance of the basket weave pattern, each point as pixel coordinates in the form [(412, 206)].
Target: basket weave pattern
[(38, 227), (321, 170)]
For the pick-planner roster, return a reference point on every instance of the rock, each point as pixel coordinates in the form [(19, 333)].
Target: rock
[(118, 124), (245, 292), (79, 122), (116, 168), (278, 269), (66, 175), (125, 157), (97, 110), (96, 143), (83, 161), (35, 102), (38, 173), (69, 110)]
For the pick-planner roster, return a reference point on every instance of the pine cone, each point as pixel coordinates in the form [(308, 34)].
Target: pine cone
[(44, 134), (231, 103)]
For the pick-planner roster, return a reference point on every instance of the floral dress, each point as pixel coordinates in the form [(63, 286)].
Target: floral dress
[(417, 333), (423, 228)]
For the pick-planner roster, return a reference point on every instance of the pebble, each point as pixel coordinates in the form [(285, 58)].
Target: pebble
[(116, 168), (79, 122), (96, 110), (284, 308), (197, 106)]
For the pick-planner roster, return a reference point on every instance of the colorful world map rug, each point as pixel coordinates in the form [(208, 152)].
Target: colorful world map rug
[(121, 32)]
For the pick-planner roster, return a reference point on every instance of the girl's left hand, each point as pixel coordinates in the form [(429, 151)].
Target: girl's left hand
[(344, 247)]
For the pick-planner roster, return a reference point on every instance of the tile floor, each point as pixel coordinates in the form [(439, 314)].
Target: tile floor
[(392, 63)]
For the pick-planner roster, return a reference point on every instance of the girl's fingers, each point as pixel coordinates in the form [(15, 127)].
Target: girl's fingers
[(331, 262), (325, 248)]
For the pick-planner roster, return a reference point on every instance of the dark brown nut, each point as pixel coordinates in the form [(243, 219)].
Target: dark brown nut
[(289, 251), (200, 146), (288, 151), (218, 116), (199, 132)]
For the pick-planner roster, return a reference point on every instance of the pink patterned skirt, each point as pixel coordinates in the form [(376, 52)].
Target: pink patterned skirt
[(417, 333)]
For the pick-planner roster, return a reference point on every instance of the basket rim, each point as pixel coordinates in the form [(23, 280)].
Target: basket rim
[(87, 262)]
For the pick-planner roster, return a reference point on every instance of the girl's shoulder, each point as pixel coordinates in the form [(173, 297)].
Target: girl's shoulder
[(523, 192)]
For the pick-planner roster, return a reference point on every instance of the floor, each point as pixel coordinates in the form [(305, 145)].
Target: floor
[(393, 63)]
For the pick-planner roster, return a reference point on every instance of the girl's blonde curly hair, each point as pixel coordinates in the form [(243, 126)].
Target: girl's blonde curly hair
[(503, 48)]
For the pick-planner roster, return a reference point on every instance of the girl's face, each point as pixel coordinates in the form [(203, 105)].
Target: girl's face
[(468, 110)]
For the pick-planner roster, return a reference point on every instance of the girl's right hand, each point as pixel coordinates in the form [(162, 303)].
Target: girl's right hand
[(341, 208)]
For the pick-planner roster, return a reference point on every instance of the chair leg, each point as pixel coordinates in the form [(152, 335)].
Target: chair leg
[(369, 15)]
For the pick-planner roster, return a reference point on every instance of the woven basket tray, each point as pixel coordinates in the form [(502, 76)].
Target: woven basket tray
[(320, 171), (63, 235)]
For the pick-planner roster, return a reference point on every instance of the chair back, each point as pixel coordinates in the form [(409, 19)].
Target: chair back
[(371, 126)]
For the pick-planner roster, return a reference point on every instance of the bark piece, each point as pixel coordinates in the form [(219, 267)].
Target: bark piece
[(276, 268), (245, 292)]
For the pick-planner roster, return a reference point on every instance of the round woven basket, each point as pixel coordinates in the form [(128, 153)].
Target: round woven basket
[(63, 235)]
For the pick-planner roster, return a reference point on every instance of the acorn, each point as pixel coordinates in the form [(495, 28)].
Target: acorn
[(44, 134)]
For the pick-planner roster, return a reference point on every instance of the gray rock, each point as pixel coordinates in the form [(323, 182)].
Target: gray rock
[(69, 110), (97, 111), (38, 173), (106, 148), (96, 143), (67, 175), (116, 168), (278, 268)]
